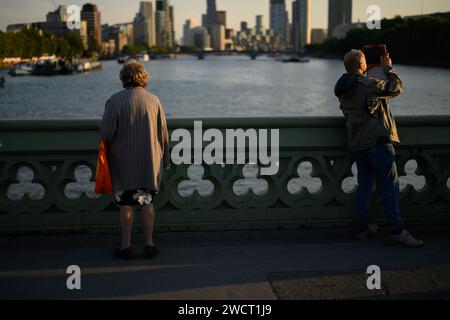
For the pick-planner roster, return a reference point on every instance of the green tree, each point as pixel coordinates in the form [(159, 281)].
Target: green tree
[(130, 50), (30, 43), (422, 41)]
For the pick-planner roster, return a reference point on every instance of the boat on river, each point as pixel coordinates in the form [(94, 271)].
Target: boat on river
[(295, 59), (123, 59), (88, 66), (141, 57), (61, 67), (48, 67), (22, 69)]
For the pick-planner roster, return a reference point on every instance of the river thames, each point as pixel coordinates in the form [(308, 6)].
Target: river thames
[(218, 87), (232, 86)]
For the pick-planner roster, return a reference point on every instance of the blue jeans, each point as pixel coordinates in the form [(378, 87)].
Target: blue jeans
[(378, 162)]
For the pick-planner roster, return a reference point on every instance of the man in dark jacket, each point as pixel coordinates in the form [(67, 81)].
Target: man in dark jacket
[(371, 132)]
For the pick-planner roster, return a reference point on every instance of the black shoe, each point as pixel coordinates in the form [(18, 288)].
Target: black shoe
[(151, 252), (124, 254), (365, 235), (405, 239)]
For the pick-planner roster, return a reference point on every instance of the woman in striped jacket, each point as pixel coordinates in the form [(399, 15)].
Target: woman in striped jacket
[(135, 131)]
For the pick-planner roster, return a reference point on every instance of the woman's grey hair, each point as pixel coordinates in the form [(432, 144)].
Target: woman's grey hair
[(133, 74)]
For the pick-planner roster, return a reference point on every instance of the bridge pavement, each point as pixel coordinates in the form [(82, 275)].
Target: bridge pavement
[(269, 265)]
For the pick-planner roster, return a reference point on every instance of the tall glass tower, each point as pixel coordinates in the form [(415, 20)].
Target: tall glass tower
[(279, 20), (301, 32), (339, 12), (164, 34), (211, 13)]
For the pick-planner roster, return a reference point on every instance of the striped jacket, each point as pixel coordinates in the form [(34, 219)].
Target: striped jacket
[(134, 128)]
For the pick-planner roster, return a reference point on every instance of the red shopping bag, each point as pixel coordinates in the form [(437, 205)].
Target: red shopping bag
[(103, 182)]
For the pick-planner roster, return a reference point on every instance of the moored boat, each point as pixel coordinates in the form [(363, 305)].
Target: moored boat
[(48, 67), (67, 69), (21, 69)]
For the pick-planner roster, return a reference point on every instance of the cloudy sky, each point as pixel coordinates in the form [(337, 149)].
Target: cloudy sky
[(113, 11)]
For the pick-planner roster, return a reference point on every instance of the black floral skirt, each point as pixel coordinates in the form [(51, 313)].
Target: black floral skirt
[(135, 198)]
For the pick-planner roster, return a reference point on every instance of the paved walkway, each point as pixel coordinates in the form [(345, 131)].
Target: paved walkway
[(227, 265)]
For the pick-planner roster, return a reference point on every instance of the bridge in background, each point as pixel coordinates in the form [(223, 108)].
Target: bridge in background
[(201, 54)]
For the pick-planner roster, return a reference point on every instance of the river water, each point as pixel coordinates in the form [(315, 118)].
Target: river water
[(217, 87)]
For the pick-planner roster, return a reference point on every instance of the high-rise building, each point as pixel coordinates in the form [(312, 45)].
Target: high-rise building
[(164, 29), (84, 34), (211, 13), (144, 25), (215, 22), (59, 15), (56, 22), (244, 26), (339, 12), (172, 25), (201, 38), (106, 32), (146, 9), (130, 33), (188, 36), (218, 37), (221, 18), (279, 20), (125, 35), (92, 16), (259, 26), (301, 32), (289, 36), (119, 34), (229, 33)]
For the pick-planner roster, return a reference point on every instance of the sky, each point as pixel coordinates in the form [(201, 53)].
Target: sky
[(114, 11)]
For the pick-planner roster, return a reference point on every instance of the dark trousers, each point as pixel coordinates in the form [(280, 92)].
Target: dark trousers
[(378, 162)]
